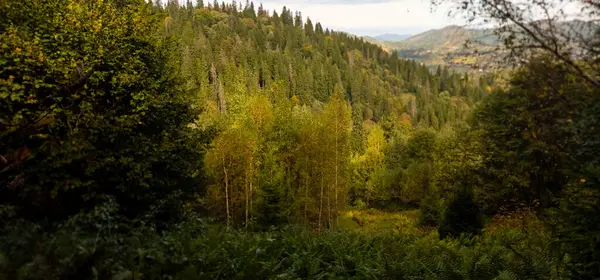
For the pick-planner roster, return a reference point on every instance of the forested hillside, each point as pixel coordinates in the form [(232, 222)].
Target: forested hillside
[(144, 140), (305, 117), (469, 49)]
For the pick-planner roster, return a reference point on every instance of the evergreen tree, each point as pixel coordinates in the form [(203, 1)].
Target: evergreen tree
[(462, 215)]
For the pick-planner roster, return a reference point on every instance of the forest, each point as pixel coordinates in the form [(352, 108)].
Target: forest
[(150, 140)]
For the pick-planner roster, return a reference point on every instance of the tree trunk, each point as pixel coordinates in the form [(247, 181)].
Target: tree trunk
[(335, 187), (321, 203), (226, 191), (247, 200), (306, 199), (329, 204)]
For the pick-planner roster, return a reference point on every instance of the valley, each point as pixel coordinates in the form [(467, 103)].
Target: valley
[(468, 50), (222, 140)]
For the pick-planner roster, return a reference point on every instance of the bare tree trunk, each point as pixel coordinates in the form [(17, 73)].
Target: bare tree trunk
[(329, 204), (251, 195), (247, 200), (321, 203), (336, 168), (306, 200), (218, 89), (226, 190)]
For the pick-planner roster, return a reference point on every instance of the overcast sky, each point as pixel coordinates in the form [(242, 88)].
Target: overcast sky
[(371, 17)]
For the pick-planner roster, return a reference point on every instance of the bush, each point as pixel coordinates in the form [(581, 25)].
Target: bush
[(432, 210), (359, 204), (462, 216)]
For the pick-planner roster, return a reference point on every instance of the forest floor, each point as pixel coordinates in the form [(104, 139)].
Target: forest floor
[(373, 220)]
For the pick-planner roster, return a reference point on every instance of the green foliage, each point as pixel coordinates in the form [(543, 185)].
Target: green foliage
[(462, 216), (107, 109), (432, 210), (523, 133), (195, 251), (541, 149), (93, 111)]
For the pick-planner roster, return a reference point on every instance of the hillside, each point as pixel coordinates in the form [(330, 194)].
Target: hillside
[(450, 38), (465, 48), (455, 46), (251, 98), (140, 140)]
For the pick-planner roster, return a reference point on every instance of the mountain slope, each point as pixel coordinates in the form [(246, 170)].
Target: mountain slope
[(451, 38), (454, 37), (478, 48)]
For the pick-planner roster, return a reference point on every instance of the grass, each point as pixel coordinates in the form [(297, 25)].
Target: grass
[(373, 220)]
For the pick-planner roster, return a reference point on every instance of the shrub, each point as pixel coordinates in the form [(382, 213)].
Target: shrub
[(432, 210), (462, 216)]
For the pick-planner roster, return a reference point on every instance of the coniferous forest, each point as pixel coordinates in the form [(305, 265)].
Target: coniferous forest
[(207, 140)]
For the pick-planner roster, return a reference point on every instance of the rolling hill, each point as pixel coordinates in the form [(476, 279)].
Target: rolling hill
[(448, 38), (467, 48)]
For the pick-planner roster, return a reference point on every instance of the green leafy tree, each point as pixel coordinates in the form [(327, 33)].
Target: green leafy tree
[(91, 104)]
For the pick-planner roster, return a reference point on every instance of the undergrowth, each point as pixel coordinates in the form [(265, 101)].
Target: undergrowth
[(197, 250)]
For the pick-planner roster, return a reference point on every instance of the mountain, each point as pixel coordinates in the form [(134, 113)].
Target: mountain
[(448, 45), (448, 38), (391, 37), (454, 37)]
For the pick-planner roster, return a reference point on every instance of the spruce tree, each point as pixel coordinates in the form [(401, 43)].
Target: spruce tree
[(462, 215)]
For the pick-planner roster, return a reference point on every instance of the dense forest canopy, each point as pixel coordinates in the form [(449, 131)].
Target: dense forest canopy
[(150, 140)]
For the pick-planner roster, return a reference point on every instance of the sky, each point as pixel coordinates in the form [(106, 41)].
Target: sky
[(376, 17), (370, 17)]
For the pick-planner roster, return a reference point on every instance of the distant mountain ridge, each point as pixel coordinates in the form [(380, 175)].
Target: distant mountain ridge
[(453, 37), (447, 46)]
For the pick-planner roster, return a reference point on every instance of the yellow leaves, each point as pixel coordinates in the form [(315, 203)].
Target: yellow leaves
[(97, 26), (18, 50), (582, 180), (41, 57), (404, 122), (73, 5), (168, 20), (31, 100)]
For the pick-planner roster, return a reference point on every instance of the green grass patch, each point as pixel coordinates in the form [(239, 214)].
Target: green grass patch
[(373, 220)]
